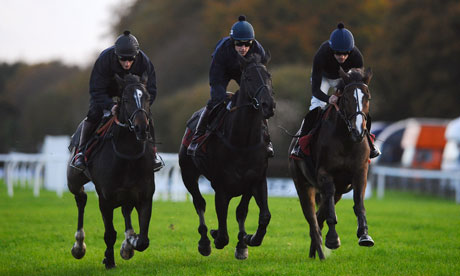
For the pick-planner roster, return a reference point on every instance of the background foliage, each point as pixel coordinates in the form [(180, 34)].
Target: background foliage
[(412, 46)]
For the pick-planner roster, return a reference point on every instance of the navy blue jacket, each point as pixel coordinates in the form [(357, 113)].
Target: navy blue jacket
[(225, 67), (102, 84), (325, 65)]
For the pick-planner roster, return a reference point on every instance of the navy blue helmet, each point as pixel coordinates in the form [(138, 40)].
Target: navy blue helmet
[(242, 30), (341, 39), (126, 45)]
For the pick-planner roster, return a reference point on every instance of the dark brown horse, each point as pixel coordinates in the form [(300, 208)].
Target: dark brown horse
[(235, 161), (122, 171), (340, 155)]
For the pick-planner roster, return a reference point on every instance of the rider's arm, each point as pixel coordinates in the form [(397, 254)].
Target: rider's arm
[(217, 79), (151, 82), (316, 78), (99, 82)]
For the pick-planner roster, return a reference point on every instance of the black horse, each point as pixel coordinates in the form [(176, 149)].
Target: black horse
[(235, 161), (122, 171), (340, 155)]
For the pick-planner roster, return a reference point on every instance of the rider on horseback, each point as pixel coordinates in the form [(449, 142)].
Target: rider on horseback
[(338, 51), (122, 58), (225, 67)]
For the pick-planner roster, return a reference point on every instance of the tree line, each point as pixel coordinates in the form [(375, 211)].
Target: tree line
[(412, 46)]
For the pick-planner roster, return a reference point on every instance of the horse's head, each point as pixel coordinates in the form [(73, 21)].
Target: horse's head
[(256, 85), (134, 104), (354, 101)]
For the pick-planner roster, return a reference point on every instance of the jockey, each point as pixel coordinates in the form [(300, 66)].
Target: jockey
[(225, 67), (338, 51), (122, 58)]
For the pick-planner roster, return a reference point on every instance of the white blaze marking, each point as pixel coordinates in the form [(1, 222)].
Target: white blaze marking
[(359, 107), (138, 97)]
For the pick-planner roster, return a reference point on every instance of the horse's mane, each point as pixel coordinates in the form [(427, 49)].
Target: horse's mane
[(131, 78), (355, 74), (254, 58)]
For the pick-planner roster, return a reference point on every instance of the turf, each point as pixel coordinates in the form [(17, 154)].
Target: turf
[(414, 235)]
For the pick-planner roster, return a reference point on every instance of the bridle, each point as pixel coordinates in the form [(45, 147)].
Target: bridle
[(347, 118), (254, 99), (130, 124)]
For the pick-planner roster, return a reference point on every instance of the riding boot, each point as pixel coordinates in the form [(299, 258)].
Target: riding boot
[(158, 164), (374, 151), (200, 131), (270, 150), (307, 125), (79, 161)]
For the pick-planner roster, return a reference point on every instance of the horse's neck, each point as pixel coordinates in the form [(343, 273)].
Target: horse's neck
[(245, 127), (336, 120), (126, 140)]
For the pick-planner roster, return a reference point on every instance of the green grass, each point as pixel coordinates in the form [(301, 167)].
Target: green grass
[(414, 235)]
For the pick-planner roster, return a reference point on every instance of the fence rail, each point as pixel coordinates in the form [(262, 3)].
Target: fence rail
[(382, 172)]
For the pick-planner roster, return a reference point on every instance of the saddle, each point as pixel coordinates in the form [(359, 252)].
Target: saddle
[(101, 134), (216, 119)]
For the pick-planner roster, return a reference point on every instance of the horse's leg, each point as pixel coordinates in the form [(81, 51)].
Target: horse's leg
[(307, 197), (260, 195), (221, 235), (127, 250), (144, 209), (241, 251), (190, 179), (79, 247), (110, 234), (360, 211), (327, 209)]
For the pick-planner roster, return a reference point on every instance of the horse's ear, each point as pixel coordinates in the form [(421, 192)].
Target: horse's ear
[(367, 75), (267, 58), (343, 75), (120, 81), (144, 78)]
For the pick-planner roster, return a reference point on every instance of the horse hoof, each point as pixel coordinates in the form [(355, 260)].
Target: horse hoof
[(108, 265), (78, 251), (126, 250), (204, 250), (334, 244), (241, 253), (366, 240)]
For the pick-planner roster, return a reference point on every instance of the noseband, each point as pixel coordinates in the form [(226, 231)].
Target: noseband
[(348, 118)]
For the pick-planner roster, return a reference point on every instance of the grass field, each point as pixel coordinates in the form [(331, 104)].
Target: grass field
[(414, 235)]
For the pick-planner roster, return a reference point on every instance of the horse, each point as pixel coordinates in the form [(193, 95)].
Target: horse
[(122, 172), (340, 155), (235, 161)]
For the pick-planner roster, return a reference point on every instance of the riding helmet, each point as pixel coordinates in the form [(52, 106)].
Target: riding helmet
[(126, 45), (242, 30), (341, 39)]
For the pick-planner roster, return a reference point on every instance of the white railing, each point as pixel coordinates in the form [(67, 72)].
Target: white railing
[(48, 171), (381, 172)]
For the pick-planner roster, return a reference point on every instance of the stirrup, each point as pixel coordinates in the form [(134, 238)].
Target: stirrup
[(296, 150), (270, 151), (82, 166), (191, 150), (158, 164), (374, 153)]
